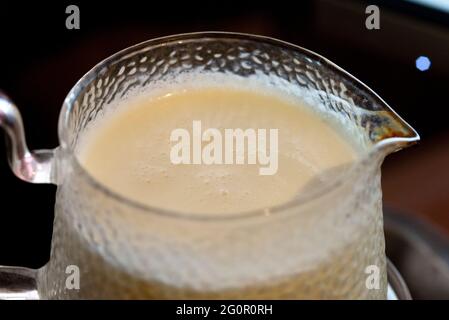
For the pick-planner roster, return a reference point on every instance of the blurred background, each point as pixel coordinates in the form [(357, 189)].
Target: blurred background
[(40, 60)]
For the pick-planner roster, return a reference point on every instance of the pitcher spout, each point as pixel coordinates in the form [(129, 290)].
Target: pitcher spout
[(391, 133)]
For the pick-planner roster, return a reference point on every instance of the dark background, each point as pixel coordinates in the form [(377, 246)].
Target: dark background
[(40, 60)]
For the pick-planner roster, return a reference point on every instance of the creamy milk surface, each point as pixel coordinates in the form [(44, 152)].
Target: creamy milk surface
[(129, 150)]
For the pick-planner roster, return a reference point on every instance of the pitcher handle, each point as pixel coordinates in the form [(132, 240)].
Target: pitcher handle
[(17, 283), (35, 167)]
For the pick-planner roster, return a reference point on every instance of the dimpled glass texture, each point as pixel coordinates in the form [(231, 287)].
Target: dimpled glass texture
[(318, 248)]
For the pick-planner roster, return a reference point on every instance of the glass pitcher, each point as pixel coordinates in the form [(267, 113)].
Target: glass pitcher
[(322, 245)]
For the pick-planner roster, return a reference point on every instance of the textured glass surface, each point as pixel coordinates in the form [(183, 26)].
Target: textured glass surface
[(314, 250), (317, 248)]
